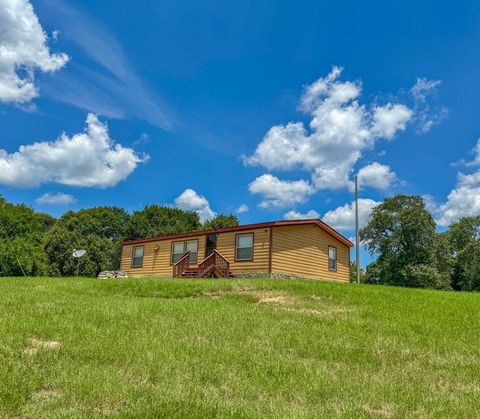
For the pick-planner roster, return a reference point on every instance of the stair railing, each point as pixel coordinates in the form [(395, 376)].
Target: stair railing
[(182, 265), (213, 262)]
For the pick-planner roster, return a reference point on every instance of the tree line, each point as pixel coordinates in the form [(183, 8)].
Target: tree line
[(35, 244), (401, 234), (409, 251)]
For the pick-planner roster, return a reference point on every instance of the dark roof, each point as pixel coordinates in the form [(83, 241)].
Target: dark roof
[(282, 223)]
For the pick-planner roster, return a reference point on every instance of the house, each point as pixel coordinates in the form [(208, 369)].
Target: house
[(297, 248)]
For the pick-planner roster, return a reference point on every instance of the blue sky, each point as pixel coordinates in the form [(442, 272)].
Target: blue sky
[(241, 105)]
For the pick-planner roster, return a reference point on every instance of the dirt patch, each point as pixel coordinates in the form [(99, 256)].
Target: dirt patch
[(36, 345), (380, 412)]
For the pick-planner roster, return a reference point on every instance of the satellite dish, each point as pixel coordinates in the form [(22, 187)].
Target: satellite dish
[(78, 253)]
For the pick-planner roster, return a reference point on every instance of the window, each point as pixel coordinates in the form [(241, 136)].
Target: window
[(137, 257), (244, 247), (332, 258), (180, 248), (210, 244), (192, 247)]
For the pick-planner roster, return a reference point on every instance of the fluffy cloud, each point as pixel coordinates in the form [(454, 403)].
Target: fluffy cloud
[(343, 218), (190, 200), (376, 175), (340, 130), (242, 209), (23, 49), (463, 200), (295, 215), (58, 198), (280, 193), (90, 158), (389, 119)]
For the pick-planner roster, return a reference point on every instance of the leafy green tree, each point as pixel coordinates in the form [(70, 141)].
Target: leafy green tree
[(221, 221), (425, 276), (401, 232), (468, 267), (18, 220), (102, 253), (156, 220), (21, 239), (353, 273), (23, 254), (464, 238), (444, 258), (98, 230)]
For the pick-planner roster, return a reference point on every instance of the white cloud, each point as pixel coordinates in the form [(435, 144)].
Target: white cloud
[(190, 200), (23, 50), (242, 209), (110, 85), (425, 116), (389, 119), (295, 215), (90, 158), (58, 198), (340, 130), (280, 193), (424, 87), (343, 218), (463, 200), (376, 175)]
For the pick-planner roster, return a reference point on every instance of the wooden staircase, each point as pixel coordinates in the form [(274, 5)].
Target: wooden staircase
[(213, 266)]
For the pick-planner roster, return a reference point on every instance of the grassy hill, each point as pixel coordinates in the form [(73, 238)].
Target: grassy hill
[(243, 348)]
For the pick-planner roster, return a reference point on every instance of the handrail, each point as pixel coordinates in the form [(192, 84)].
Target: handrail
[(215, 260), (210, 255), (182, 265)]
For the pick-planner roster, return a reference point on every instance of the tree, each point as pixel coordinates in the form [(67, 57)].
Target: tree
[(156, 220), (221, 221), (21, 239), (102, 253), (464, 238), (98, 230), (23, 254), (401, 232), (353, 273), (443, 257)]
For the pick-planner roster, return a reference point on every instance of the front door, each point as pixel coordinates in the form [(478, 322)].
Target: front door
[(211, 244)]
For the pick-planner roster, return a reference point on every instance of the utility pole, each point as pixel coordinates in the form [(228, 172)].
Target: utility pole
[(357, 238)]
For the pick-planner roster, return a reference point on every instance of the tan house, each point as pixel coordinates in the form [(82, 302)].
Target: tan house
[(298, 248)]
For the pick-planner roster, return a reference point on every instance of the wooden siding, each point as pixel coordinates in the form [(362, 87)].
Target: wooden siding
[(303, 250), (226, 246), (158, 263)]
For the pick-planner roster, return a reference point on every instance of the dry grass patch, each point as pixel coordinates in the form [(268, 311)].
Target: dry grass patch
[(379, 412), (44, 394), (310, 304), (36, 345)]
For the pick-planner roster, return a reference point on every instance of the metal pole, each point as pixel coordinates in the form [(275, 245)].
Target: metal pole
[(21, 267), (357, 238), (78, 265)]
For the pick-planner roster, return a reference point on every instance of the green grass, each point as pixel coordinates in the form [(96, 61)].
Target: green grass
[(235, 348)]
